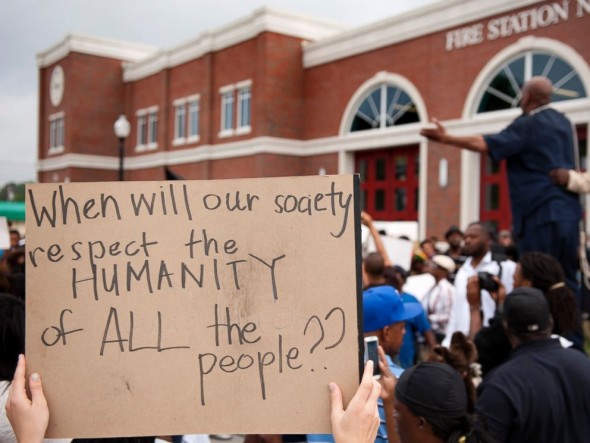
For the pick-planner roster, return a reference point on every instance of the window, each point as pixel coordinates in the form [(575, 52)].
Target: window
[(227, 114), (239, 120), (56, 133), (383, 107), (186, 120), (193, 119), (505, 88), (147, 129), (153, 128), (141, 131), (244, 96), (179, 122)]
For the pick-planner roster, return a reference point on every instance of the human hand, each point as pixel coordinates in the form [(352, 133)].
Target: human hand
[(360, 421), (473, 293), (366, 219), (387, 379), (29, 417), (437, 134), (498, 295), (559, 176)]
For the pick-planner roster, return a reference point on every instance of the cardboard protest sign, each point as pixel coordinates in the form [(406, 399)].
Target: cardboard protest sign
[(162, 308)]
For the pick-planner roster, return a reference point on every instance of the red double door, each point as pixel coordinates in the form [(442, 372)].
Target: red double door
[(389, 182)]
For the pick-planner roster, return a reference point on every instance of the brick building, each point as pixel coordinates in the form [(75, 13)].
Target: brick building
[(277, 94)]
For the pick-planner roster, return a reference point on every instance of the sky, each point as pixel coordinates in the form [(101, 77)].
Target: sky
[(31, 26)]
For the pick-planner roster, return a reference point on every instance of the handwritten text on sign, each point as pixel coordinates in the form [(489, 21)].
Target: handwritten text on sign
[(155, 306)]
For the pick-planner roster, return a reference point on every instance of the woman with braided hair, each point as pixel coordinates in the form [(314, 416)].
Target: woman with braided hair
[(462, 357), (431, 407), (542, 271)]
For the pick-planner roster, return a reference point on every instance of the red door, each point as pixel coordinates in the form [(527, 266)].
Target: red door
[(389, 183)]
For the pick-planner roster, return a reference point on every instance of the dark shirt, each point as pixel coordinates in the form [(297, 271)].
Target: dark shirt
[(493, 348), (542, 394), (532, 145)]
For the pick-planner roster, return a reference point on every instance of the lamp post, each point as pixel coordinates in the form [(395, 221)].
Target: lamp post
[(122, 129)]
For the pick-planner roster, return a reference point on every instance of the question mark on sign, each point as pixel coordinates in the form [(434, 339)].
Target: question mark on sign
[(315, 317), (322, 334)]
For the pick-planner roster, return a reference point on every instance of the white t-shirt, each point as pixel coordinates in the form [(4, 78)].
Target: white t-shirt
[(460, 319)]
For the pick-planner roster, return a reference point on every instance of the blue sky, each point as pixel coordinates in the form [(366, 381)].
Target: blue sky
[(30, 26)]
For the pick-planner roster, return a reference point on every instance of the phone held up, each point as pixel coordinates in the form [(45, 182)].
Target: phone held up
[(371, 353)]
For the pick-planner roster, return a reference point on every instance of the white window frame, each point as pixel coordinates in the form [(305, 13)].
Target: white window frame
[(180, 122), (152, 121), (147, 117), (141, 142), (244, 92), (56, 133), (235, 94), (227, 95), (193, 104)]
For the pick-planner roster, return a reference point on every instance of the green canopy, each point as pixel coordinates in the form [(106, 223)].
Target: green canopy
[(12, 210)]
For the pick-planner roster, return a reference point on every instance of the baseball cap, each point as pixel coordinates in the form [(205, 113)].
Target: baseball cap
[(526, 310), (382, 306), (432, 390), (444, 261)]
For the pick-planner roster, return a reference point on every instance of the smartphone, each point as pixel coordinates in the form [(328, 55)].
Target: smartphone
[(371, 353)]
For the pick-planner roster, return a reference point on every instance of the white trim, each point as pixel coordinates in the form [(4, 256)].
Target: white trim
[(57, 115), (226, 133), (244, 84), (194, 97), (179, 101), (240, 130), (102, 47), (578, 113), (344, 147), (264, 19), (423, 188), (227, 88), (427, 20), (56, 150), (179, 141)]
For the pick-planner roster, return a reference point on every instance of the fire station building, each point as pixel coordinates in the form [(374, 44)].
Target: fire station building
[(280, 94)]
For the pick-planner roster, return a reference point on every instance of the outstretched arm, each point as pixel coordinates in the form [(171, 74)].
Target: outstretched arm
[(29, 417), (360, 421), (367, 220), (475, 143)]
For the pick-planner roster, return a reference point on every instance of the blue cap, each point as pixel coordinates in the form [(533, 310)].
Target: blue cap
[(382, 306)]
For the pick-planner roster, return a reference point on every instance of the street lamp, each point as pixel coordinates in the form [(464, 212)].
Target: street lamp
[(122, 129)]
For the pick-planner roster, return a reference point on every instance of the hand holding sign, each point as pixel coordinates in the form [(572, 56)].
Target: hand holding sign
[(147, 295)]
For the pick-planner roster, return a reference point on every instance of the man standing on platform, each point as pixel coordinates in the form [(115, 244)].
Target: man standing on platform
[(545, 215)]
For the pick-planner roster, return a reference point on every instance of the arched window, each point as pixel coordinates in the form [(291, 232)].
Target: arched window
[(382, 107), (504, 91)]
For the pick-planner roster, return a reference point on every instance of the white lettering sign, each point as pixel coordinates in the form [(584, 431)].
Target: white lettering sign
[(531, 19)]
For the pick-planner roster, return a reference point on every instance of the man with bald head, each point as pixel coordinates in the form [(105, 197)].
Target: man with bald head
[(545, 216)]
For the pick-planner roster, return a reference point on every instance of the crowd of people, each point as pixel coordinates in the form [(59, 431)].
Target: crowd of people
[(466, 363), (493, 351)]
